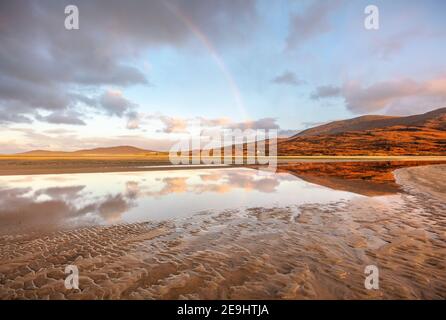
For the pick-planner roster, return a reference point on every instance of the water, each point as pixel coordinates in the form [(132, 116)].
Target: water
[(68, 200)]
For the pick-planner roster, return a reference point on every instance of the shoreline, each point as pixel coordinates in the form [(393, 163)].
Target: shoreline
[(101, 169), (427, 180), (61, 165)]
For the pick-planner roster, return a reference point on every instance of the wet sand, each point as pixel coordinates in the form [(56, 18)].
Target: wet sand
[(427, 180), (310, 251)]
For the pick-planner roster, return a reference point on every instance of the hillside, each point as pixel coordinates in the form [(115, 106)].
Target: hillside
[(119, 150), (114, 150), (423, 134), (371, 122)]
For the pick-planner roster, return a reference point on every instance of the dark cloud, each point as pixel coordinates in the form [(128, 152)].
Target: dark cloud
[(288, 78), (8, 115), (43, 66), (70, 117), (114, 103)]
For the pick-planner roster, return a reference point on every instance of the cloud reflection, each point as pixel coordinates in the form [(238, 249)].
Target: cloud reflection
[(52, 206)]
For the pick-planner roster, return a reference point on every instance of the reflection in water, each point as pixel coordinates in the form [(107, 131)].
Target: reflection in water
[(68, 200), (369, 178)]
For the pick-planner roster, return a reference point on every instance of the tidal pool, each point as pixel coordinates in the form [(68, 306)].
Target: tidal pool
[(71, 200)]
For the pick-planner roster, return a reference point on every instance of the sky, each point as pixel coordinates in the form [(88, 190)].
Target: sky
[(146, 73)]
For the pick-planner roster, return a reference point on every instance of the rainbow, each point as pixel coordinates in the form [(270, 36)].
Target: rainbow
[(215, 55)]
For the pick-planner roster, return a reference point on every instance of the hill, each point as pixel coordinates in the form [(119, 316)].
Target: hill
[(423, 134), (372, 122), (119, 150)]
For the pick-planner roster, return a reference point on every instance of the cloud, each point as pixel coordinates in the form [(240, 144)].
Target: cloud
[(174, 124), (216, 122), (114, 103), (285, 133), (29, 138), (69, 117), (325, 92), (377, 96), (7, 116), (311, 23), (264, 123), (180, 125), (288, 78), (133, 120), (170, 124), (404, 94), (45, 67), (209, 126), (386, 46), (20, 101), (400, 96)]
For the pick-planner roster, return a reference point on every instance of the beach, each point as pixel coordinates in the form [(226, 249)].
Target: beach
[(309, 251)]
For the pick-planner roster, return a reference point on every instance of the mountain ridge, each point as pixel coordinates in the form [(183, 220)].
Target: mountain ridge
[(423, 134), (369, 122)]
